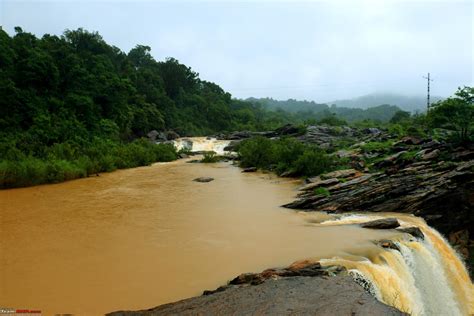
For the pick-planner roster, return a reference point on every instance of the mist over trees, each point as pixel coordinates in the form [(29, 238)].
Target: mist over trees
[(73, 105), (406, 103), (317, 111)]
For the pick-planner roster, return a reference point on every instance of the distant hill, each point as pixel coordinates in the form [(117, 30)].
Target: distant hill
[(290, 105), (312, 110), (407, 103)]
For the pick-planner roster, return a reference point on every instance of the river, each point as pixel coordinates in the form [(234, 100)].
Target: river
[(137, 238)]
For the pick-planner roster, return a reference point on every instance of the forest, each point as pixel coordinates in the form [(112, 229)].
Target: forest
[(73, 106)]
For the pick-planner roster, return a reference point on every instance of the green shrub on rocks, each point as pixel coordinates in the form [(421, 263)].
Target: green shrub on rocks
[(210, 157), (377, 146), (287, 157), (322, 191)]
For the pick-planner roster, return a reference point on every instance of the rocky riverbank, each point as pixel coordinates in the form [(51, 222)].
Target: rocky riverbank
[(301, 289), (436, 182), (425, 177)]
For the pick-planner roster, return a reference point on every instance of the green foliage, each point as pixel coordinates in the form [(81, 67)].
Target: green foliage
[(66, 162), (285, 156), (322, 191), (210, 157), (71, 105), (400, 116), (455, 114), (312, 162), (377, 146), (257, 152), (332, 120), (409, 155), (310, 112)]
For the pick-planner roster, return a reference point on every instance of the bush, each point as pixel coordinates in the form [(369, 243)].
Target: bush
[(312, 162), (377, 146), (256, 152), (285, 156), (210, 157), (67, 161), (332, 120), (322, 191), (165, 152)]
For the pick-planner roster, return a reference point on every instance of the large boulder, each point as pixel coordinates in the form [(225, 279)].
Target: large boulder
[(152, 135), (390, 160), (410, 140), (288, 129), (384, 223), (172, 135), (232, 146), (431, 155)]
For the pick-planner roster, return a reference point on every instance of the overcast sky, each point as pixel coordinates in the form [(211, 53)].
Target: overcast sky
[(319, 50)]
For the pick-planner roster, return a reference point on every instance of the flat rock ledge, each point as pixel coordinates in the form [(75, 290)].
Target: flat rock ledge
[(297, 290)]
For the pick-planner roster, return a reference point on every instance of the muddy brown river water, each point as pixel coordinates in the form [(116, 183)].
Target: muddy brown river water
[(137, 238)]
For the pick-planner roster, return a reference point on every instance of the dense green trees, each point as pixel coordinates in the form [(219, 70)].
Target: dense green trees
[(72, 105), (456, 114)]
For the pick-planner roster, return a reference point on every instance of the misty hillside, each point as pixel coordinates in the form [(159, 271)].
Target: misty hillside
[(407, 103), (290, 105), (311, 109)]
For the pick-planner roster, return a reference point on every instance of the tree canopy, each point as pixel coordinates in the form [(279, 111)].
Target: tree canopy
[(455, 113)]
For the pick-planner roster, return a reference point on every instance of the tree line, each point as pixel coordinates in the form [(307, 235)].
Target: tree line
[(73, 105)]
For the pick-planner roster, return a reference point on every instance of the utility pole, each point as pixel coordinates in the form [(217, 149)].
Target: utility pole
[(428, 95)]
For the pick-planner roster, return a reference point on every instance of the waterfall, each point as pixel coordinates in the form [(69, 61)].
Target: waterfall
[(195, 144), (423, 277)]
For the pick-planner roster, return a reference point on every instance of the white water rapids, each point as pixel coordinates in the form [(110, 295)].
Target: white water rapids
[(426, 277), (195, 144)]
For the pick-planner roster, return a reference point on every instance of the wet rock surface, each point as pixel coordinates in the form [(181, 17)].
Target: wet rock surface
[(440, 192), (384, 223), (414, 231), (296, 290), (204, 179), (437, 185), (249, 169)]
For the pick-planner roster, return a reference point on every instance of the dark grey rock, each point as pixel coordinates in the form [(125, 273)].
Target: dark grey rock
[(414, 231), (204, 179), (322, 296), (249, 169), (384, 223), (171, 135)]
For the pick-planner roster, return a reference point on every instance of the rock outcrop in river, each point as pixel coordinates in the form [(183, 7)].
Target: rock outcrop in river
[(436, 183), (306, 289)]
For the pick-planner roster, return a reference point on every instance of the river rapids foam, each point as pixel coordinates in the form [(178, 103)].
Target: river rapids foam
[(198, 144), (426, 277)]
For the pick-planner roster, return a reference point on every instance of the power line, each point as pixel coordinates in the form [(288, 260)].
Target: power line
[(428, 94)]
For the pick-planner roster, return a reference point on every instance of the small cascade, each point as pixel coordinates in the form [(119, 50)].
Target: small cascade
[(423, 277), (198, 144)]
